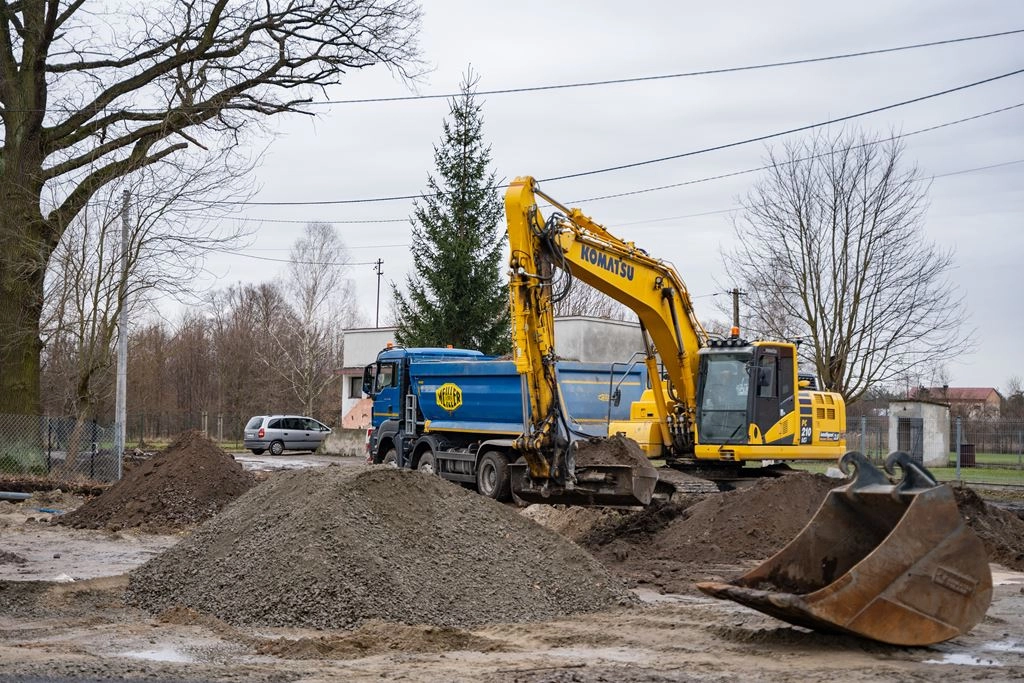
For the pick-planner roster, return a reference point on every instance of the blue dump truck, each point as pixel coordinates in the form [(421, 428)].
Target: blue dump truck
[(455, 412)]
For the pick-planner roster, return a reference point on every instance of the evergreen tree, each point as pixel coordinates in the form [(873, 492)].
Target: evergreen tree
[(457, 295)]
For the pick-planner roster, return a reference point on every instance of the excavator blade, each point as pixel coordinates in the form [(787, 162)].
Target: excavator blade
[(893, 563), (597, 485)]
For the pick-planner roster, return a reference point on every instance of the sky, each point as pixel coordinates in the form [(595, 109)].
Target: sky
[(384, 149)]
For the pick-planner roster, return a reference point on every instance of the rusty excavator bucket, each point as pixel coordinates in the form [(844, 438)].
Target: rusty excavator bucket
[(893, 563)]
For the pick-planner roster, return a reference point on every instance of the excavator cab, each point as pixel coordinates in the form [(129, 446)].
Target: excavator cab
[(752, 405)]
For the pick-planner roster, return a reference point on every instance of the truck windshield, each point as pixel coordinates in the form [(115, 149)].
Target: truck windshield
[(723, 405)]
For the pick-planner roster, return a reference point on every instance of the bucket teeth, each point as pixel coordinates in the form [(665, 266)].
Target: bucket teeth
[(891, 562)]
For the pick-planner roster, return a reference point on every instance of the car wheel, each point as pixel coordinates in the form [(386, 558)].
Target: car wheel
[(390, 458), (427, 463), (258, 451), (277, 448), (492, 476)]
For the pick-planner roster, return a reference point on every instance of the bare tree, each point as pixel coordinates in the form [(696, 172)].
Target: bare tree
[(831, 249), (309, 348), (582, 299), (90, 280), (90, 96)]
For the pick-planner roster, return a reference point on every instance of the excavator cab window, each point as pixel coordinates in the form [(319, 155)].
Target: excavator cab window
[(723, 397)]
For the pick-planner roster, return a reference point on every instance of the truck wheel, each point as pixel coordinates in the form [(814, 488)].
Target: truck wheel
[(492, 476), (390, 458), (277, 448), (427, 463)]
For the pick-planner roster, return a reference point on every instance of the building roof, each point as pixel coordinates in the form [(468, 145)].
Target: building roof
[(958, 393)]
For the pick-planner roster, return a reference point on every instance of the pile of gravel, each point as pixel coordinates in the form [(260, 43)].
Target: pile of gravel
[(187, 483), (335, 548)]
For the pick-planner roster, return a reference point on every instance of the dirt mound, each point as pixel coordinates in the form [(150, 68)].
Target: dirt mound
[(1002, 532), (670, 545), (615, 450), (187, 483), (378, 637), (335, 548)]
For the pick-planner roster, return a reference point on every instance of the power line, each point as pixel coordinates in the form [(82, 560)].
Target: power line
[(636, 79), (762, 138), (618, 224), (685, 74), (746, 171), (661, 187)]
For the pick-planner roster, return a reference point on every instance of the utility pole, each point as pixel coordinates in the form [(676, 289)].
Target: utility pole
[(736, 306), (378, 268), (121, 391)]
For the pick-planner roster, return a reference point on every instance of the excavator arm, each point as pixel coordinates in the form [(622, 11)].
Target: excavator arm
[(573, 243)]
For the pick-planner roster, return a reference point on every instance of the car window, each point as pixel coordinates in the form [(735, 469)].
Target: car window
[(254, 422), (275, 424), (311, 425)]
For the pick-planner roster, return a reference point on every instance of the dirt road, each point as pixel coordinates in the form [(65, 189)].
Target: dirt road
[(81, 631), (63, 616)]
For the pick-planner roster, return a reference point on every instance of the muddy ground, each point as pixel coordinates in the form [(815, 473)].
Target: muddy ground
[(55, 629)]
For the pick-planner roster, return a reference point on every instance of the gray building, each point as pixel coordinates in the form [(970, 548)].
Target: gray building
[(920, 428), (582, 338)]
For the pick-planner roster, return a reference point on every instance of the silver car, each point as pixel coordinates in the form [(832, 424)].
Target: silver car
[(280, 433)]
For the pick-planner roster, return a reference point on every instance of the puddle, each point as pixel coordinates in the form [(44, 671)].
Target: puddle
[(265, 465), (1006, 578), (1004, 646), (963, 659), (160, 654), (613, 654), (654, 597)]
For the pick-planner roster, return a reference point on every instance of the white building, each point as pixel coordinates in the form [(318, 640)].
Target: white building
[(920, 428)]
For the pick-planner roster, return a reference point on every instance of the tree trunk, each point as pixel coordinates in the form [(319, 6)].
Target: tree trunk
[(23, 253)]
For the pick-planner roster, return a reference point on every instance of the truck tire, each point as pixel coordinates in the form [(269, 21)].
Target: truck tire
[(492, 476), (390, 458), (427, 463)]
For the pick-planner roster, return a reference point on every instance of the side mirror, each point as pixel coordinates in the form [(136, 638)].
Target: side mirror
[(617, 397), (368, 380)]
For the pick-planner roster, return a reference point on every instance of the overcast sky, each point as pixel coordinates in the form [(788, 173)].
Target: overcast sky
[(373, 150)]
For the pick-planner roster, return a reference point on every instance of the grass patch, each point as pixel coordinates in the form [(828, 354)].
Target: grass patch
[(22, 458), (970, 475)]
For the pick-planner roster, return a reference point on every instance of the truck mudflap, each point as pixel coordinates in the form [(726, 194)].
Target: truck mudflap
[(893, 563), (596, 485)]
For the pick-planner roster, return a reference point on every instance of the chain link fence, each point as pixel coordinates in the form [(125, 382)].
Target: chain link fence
[(58, 448)]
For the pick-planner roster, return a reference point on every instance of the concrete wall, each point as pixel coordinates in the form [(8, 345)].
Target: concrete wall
[(597, 340), (350, 442), (935, 423), (361, 348), (363, 345)]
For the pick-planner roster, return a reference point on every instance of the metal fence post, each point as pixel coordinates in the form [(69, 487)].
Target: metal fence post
[(958, 442), (864, 435)]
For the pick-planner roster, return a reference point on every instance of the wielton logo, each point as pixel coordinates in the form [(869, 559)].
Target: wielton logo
[(448, 396), (603, 260)]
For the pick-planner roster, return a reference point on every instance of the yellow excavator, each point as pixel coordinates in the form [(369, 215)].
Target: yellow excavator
[(890, 561)]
